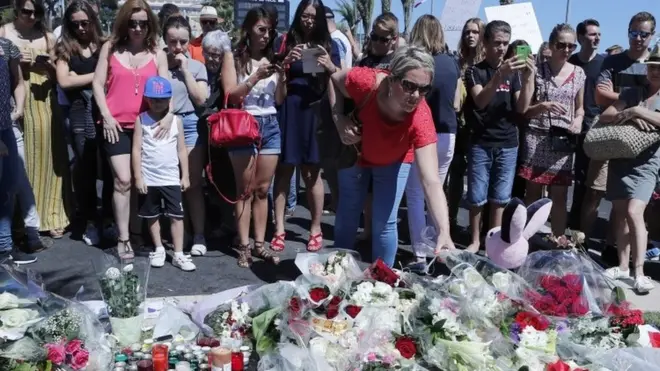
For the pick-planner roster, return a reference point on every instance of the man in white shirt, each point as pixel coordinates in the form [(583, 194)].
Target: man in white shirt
[(346, 51)]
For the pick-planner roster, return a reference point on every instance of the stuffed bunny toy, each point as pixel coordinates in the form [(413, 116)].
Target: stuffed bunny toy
[(507, 246)]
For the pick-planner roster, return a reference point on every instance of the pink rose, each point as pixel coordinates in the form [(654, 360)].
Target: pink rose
[(79, 359), (56, 353), (74, 346)]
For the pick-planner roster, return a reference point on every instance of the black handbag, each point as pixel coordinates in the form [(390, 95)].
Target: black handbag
[(561, 140)]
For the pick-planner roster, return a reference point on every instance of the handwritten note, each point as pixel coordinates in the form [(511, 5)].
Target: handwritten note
[(454, 15), (522, 19)]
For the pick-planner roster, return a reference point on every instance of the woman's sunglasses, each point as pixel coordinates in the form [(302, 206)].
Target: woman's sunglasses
[(78, 24), (133, 24), (410, 87), (564, 46), (29, 12)]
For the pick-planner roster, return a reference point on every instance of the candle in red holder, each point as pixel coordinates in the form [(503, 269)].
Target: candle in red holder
[(159, 353), (237, 363), (145, 365)]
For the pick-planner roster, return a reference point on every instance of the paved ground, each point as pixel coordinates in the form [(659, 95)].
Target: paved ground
[(69, 268)]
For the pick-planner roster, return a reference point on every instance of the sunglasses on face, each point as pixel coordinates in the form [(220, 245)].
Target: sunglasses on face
[(410, 87), (133, 24), (209, 22), (28, 12), (306, 16), (377, 38), (641, 34), (565, 46), (78, 24)]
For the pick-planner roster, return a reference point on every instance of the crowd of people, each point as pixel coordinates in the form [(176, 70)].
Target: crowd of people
[(401, 115)]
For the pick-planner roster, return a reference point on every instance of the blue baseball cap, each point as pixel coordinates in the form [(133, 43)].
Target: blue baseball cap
[(158, 87)]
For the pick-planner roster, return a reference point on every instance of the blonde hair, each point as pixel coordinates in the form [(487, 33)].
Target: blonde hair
[(464, 50), (428, 34), (409, 58), (388, 22)]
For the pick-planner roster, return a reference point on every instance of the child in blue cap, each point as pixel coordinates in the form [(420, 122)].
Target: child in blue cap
[(156, 164)]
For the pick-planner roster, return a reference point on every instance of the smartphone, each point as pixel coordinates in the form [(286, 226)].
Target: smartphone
[(279, 59), (523, 52), (42, 58)]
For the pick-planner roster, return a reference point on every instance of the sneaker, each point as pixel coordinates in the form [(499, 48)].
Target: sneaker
[(199, 246), (91, 235), (157, 258), (643, 284), (616, 273), (653, 254), (183, 262), (20, 257), (416, 267)]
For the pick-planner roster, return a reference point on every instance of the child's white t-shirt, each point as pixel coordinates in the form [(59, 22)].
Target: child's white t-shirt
[(160, 157)]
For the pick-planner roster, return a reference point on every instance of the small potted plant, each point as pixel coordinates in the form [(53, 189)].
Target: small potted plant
[(124, 291)]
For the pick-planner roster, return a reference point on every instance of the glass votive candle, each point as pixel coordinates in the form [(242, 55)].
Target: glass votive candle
[(159, 353), (145, 365)]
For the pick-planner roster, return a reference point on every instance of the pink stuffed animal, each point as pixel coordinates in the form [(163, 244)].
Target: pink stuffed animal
[(507, 246)]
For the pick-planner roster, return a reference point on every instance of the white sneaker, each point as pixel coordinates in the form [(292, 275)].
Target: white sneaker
[(198, 250), (183, 262), (616, 273), (157, 258), (91, 235), (643, 284)]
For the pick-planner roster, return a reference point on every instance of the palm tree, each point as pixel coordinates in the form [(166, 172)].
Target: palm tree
[(385, 6), (365, 9), (407, 14), (351, 17), (506, 2)]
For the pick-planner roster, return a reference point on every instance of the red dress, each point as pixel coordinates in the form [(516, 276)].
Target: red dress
[(384, 143)]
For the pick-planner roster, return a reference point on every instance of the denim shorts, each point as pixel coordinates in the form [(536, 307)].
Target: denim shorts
[(271, 138), (490, 174), (190, 132)]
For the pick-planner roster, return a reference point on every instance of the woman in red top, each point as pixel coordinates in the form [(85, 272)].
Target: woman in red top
[(396, 127)]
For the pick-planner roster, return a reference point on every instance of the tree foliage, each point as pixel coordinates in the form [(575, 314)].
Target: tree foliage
[(107, 13), (407, 14), (225, 10), (506, 2), (365, 9), (350, 16), (386, 6)]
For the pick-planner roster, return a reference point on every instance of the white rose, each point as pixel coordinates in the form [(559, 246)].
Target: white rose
[(17, 317), (381, 288), (128, 268), (365, 287), (501, 281), (8, 301), (112, 273)]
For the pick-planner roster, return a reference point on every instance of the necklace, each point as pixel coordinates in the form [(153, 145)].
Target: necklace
[(136, 75)]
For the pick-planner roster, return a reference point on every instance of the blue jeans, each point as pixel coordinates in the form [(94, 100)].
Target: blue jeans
[(8, 170), (490, 174), (271, 137), (389, 182)]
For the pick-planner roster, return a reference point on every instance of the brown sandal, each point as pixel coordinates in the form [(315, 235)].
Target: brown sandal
[(127, 255), (244, 257), (260, 252)]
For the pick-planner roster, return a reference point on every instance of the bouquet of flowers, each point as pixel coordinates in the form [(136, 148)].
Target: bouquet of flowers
[(230, 320), (124, 291), (333, 268)]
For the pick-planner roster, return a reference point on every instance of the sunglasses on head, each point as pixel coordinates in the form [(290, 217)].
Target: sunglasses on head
[(78, 24), (410, 87), (133, 24), (564, 46), (641, 34), (209, 22), (381, 39)]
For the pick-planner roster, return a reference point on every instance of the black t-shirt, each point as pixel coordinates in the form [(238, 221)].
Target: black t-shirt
[(441, 98), (493, 126), (378, 62), (592, 70)]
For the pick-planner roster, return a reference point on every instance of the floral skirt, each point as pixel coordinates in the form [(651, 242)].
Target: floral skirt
[(540, 164)]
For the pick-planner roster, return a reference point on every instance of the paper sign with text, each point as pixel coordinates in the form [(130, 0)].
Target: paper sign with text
[(522, 19), (454, 15)]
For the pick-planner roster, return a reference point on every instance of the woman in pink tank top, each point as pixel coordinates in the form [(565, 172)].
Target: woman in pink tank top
[(125, 63)]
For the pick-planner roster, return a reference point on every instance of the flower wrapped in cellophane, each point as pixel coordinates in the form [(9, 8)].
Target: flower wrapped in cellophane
[(332, 267), (567, 284)]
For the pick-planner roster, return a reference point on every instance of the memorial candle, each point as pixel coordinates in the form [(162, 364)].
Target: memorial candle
[(159, 354), (145, 365)]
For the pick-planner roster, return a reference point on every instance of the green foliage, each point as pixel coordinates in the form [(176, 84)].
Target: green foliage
[(349, 14), (123, 295), (386, 6), (6, 15), (107, 12), (65, 324), (652, 318), (365, 9), (225, 10), (407, 14)]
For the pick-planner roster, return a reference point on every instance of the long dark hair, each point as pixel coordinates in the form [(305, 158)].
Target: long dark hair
[(119, 37), (242, 57), (68, 45), (176, 21), (320, 34), (39, 14)]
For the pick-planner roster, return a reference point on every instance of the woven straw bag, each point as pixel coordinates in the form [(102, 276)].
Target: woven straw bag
[(605, 142)]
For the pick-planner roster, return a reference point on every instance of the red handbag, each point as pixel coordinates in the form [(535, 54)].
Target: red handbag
[(232, 127)]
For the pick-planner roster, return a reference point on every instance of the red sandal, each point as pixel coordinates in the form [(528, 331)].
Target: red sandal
[(315, 242), (278, 243)]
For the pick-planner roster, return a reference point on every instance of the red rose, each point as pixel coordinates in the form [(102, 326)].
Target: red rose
[(406, 346), (318, 294), (335, 301), (332, 312), (73, 346), (381, 272), (353, 310), (573, 282), (295, 305), (538, 322), (558, 366), (579, 306), (548, 280), (79, 359)]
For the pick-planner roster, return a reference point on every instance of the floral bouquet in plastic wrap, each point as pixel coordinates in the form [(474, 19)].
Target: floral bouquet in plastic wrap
[(568, 284), (124, 291), (333, 267)]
